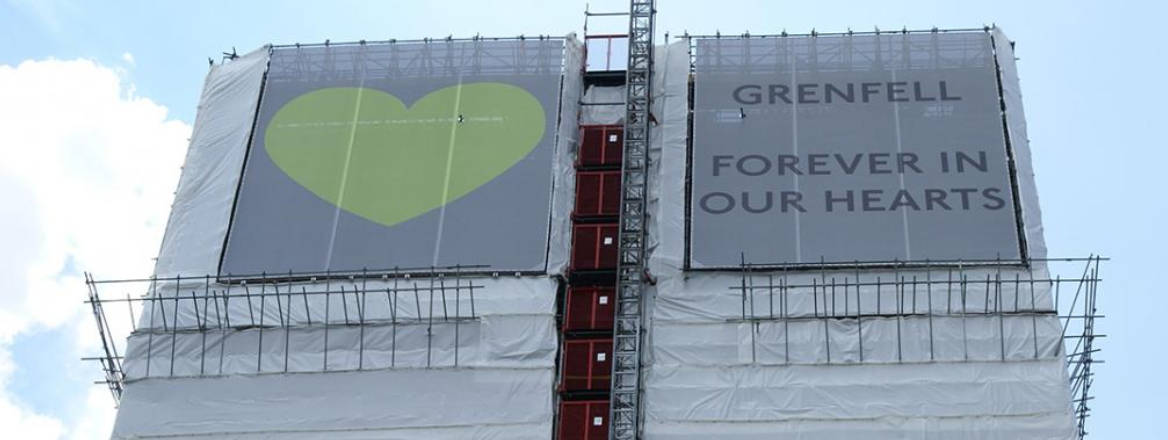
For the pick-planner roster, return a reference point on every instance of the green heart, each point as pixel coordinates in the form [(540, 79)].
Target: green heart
[(366, 152)]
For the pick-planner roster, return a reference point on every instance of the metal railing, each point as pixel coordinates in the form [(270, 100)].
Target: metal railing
[(922, 292), (210, 314)]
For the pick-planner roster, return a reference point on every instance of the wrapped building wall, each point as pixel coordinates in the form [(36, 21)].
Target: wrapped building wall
[(925, 352), (468, 349), (452, 352)]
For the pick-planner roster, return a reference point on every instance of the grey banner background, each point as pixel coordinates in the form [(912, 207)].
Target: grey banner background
[(973, 124), (280, 226)]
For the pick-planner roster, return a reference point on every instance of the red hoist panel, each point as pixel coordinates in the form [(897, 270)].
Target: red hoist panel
[(600, 145), (594, 246), (589, 308), (584, 420), (587, 365), (598, 193)]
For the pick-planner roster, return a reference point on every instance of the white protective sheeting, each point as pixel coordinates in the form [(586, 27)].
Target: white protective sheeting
[(512, 326), (1019, 143), (1030, 427), (845, 341), (202, 205), (564, 195), (603, 114), (708, 374), (264, 365), (855, 392), (384, 404)]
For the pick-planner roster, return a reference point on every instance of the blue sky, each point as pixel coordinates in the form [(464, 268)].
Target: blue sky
[(1092, 77)]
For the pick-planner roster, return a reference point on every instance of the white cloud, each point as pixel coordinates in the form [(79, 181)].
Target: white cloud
[(98, 420), (128, 58), (87, 173)]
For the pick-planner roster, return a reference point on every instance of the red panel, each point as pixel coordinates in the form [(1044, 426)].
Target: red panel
[(610, 193), (607, 244), (594, 246), (576, 366), (601, 359), (598, 193), (589, 308), (587, 365), (591, 146), (588, 193), (600, 145), (613, 145), (584, 420), (584, 247), (573, 421)]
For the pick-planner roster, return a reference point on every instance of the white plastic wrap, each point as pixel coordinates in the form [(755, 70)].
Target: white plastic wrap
[(710, 395), (393, 404), (202, 205), (1030, 427), (563, 199), (844, 341), (1019, 143), (603, 113), (512, 326)]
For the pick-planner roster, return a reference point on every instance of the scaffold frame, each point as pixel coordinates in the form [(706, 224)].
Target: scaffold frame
[(931, 291), (626, 367), (209, 310)]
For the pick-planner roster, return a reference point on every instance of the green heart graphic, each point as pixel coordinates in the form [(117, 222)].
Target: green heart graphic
[(366, 152)]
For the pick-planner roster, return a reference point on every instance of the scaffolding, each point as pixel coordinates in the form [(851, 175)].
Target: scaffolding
[(626, 367), (386, 320), (926, 312), (518, 56)]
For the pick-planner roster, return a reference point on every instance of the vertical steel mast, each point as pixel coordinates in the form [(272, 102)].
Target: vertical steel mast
[(626, 366)]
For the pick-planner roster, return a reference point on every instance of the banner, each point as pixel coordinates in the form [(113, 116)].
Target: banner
[(838, 149), (400, 155)]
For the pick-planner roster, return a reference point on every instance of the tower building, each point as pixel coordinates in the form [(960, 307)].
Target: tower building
[(826, 236)]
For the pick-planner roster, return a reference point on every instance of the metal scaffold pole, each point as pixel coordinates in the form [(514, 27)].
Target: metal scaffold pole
[(625, 404)]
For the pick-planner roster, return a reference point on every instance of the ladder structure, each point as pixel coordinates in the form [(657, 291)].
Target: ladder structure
[(626, 366)]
